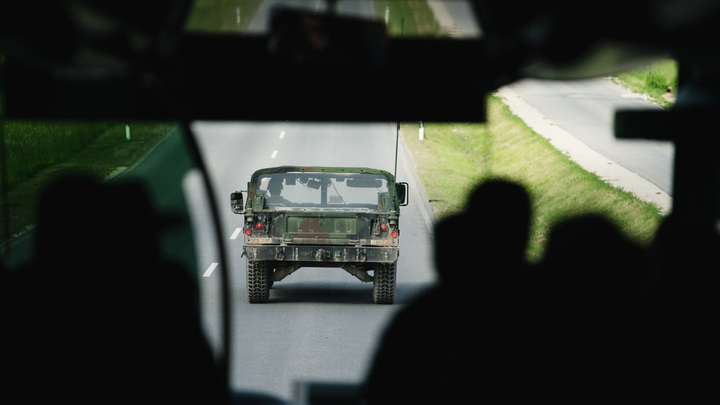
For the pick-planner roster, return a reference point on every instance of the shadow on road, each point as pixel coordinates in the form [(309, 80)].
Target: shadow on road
[(338, 293)]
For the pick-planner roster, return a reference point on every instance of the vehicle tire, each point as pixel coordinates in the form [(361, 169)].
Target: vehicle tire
[(258, 286), (384, 283), (270, 269)]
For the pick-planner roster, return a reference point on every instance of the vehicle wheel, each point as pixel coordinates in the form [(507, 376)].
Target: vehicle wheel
[(258, 287), (384, 283), (269, 269)]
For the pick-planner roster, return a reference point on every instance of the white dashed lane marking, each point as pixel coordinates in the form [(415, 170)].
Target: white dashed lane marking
[(237, 231), (210, 270)]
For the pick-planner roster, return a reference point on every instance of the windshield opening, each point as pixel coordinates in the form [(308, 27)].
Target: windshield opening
[(357, 191)]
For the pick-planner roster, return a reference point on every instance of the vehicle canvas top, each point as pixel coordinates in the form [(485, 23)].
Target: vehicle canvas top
[(322, 189), (311, 205)]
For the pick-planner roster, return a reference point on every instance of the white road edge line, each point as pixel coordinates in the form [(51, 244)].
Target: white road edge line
[(428, 217), (235, 233), (210, 270), (274, 154)]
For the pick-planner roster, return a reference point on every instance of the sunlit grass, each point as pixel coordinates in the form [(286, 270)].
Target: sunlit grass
[(221, 15), (454, 157), (653, 79), (407, 18)]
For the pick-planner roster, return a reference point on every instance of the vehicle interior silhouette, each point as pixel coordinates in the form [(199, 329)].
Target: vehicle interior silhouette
[(133, 60)]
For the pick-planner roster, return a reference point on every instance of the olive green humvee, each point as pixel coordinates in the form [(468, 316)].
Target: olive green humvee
[(346, 217)]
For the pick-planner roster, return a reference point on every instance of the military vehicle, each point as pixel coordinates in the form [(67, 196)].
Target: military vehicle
[(346, 217)]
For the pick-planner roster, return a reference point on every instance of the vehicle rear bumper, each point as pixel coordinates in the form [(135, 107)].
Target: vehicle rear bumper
[(329, 254)]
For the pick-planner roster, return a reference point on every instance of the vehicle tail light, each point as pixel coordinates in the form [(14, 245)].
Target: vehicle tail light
[(259, 226), (383, 228), (248, 231), (394, 234)]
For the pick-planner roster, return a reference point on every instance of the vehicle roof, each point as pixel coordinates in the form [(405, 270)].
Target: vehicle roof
[(321, 169)]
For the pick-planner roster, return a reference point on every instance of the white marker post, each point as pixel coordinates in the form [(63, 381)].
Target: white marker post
[(127, 130), (422, 132)]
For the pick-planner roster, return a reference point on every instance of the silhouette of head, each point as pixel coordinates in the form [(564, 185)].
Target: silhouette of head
[(275, 187), (591, 261), (80, 218), (498, 215), (450, 246), (106, 300)]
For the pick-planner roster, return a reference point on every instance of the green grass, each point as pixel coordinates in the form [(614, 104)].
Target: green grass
[(40, 152), (221, 15), (653, 79), (408, 18), (455, 157), (33, 146)]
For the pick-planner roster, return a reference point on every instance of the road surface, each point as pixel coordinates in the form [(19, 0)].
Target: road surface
[(320, 323), (585, 109)]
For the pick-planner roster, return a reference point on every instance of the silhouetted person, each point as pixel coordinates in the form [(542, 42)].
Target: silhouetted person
[(460, 338), (106, 319), (593, 285), (590, 263), (499, 214), (275, 188)]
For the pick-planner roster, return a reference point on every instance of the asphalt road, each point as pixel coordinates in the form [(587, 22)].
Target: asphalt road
[(585, 109), (320, 323)]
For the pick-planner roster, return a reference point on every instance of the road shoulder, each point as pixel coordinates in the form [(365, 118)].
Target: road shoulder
[(608, 170)]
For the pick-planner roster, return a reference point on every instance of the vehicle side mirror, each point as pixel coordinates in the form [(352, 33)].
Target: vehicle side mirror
[(236, 202), (402, 193)]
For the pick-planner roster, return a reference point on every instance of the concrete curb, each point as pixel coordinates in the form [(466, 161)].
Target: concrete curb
[(608, 170)]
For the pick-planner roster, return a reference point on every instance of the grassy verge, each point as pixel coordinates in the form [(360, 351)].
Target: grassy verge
[(454, 157), (34, 146), (407, 18), (40, 152), (221, 15), (654, 80)]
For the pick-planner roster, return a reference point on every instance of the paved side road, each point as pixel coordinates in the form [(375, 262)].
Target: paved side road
[(653, 161), (606, 169)]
